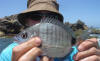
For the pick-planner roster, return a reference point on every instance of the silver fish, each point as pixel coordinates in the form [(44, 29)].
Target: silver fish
[(56, 37)]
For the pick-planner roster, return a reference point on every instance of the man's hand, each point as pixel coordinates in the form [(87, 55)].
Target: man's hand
[(88, 51), (28, 51)]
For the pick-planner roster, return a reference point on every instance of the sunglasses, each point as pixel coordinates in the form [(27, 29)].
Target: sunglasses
[(38, 15)]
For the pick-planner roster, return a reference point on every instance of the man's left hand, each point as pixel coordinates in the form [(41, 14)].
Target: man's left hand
[(88, 51)]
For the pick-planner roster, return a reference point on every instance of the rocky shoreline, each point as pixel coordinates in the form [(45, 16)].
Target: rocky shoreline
[(9, 26)]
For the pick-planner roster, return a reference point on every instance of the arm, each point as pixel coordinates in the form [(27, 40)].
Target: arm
[(88, 51)]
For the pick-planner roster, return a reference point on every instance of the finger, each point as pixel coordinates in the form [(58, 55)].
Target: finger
[(87, 44), (51, 59), (31, 55), (24, 47), (45, 58), (91, 58), (84, 54)]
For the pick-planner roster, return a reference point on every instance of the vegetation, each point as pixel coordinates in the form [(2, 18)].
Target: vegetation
[(77, 27)]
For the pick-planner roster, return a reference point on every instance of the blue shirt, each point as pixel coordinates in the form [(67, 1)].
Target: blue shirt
[(7, 54)]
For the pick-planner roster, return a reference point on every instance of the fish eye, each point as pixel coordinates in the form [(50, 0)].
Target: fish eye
[(24, 35)]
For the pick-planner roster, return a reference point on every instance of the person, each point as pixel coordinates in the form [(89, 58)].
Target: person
[(28, 51)]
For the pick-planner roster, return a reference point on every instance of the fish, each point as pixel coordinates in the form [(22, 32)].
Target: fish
[(56, 37)]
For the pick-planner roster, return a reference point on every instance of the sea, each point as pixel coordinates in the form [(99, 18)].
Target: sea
[(4, 42)]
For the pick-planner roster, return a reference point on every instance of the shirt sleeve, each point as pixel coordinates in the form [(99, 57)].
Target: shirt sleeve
[(74, 51), (6, 54)]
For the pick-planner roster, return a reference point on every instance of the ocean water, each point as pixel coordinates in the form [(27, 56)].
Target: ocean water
[(96, 35), (4, 42)]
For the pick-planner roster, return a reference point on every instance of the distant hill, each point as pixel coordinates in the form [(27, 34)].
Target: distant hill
[(9, 25)]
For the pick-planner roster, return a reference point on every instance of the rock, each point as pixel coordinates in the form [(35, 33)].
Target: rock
[(9, 25), (2, 33)]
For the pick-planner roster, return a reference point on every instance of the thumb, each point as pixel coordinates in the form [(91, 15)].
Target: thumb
[(21, 49)]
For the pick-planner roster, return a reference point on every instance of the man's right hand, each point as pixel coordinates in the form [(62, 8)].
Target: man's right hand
[(28, 51)]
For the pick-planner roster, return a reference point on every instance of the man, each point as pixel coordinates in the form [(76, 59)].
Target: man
[(29, 51)]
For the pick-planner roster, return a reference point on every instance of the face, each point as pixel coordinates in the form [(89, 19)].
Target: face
[(31, 22), (34, 18)]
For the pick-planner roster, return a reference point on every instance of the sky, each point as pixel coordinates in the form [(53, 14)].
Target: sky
[(87, 11)]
